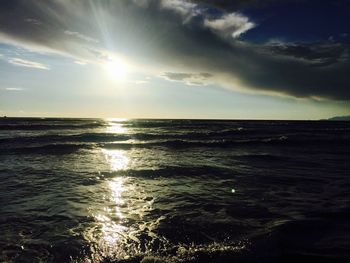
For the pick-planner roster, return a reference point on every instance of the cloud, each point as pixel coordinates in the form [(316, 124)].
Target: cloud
[(224, 24), (317, 54), (184, 8), (27, 63), (80, 36), (233, 24), (33, 21), (138, 82), (13, 89), (189, 78), (79, 62), (238, 4), (179, 37)]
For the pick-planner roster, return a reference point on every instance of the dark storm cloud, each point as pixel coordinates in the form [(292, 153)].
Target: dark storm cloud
[(182, 37), (320, 54), (45, 25), (238, 4), (232, 5)]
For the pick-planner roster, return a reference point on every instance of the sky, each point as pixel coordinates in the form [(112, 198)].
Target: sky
[(223, 59)]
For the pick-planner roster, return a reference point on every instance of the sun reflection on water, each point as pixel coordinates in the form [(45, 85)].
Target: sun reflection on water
[(121, 208), (117, 159), (111, 218), (116, 126), (112, 230)]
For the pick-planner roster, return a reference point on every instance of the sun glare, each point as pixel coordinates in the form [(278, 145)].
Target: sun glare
[(116, 69)]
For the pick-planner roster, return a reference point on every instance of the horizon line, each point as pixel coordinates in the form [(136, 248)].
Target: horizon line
[(155, 118)]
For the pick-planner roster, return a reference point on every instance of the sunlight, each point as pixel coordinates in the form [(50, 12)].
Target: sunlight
[(117, 69), (116, 119), (109, 220), (116, 128), (111, 229), (117, 159), (121, 206)]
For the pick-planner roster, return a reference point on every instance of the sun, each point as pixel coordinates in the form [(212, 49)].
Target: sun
[(117, 69)]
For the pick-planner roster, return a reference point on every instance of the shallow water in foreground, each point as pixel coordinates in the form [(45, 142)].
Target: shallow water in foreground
[(90, 190)]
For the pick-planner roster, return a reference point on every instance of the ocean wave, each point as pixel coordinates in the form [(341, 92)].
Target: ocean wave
[(80, 137), (33, 126), (55, 149), (72, 143), (204, 138)]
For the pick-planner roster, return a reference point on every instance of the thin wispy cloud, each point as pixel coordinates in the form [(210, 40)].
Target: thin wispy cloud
[(14, 89), (80, 62), (33, 21), (81, 36), (27, 63), (139, 82)]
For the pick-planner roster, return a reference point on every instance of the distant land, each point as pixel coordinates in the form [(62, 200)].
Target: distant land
[(339, 118)]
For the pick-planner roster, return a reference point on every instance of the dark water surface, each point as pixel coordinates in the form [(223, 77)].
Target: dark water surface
[(90, 190)]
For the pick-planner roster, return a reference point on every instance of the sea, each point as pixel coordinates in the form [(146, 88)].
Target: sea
[(190, 191)]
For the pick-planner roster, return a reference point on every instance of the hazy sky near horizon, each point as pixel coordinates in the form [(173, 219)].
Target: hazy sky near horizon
[(252, 59)]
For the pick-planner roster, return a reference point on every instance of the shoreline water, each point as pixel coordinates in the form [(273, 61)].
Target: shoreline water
[(80, 190)]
